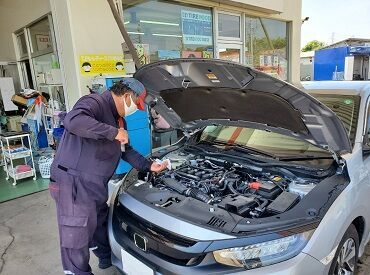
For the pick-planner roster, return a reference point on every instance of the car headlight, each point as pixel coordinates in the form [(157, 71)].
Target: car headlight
[(263, 254)]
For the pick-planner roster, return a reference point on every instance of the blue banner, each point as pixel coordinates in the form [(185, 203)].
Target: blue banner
[(361, 50), (196, 28)]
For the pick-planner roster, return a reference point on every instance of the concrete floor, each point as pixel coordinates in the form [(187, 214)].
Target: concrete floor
[(29, 242), (29, 239)]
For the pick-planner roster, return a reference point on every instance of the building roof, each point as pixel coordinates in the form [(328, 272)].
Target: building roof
[(307, 54), (348, 42)]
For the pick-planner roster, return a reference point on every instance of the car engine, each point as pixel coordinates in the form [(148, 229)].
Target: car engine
[(231, 187)]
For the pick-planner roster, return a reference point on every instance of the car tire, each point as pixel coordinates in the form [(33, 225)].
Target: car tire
[(344, 260)]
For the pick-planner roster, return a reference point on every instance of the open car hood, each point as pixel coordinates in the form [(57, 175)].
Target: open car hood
[(193, 93)]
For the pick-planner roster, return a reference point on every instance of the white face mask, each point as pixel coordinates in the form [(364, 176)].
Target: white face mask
[(129, 110)]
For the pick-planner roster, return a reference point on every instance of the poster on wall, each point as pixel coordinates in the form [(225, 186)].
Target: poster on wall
[(93, 64), (191, 54), (143, 53), (196, 28), (42, 41), (168, 54)]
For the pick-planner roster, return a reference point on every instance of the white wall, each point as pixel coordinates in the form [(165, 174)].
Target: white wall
[(15, 14), (83, 27), (348, 67)]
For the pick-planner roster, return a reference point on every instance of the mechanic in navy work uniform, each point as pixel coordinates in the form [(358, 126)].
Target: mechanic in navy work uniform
[(87, 157)]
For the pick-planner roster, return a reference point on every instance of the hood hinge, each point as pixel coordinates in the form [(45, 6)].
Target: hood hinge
[(338, 159), (188, 133)]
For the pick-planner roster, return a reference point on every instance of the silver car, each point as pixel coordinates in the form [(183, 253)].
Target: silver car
[(268, 179)]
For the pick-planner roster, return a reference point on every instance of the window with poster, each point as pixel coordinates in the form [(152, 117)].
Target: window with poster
[(41, 37), (266, 45), (164, 29)]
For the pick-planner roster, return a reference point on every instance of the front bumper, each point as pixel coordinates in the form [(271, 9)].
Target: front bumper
[(302, 264), (159, 258)]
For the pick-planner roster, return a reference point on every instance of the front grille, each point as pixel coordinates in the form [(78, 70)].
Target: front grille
[(161, 243), (152, 230)]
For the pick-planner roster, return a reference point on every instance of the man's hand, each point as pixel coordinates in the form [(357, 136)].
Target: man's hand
[(158, 167), (122, 136)]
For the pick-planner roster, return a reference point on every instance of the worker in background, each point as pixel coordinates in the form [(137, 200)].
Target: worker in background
[(87, 156)]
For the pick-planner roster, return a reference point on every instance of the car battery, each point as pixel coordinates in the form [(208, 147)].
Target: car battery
[(238, 204), (268, 190), (283, 202)]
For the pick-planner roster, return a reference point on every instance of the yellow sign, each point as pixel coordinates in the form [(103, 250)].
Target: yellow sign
[(94, 64)]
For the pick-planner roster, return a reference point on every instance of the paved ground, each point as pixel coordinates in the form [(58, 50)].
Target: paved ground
[(29, 239)]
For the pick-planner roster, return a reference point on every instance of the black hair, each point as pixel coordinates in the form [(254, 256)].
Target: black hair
[(119, 88), (119, 63), (86, 64)]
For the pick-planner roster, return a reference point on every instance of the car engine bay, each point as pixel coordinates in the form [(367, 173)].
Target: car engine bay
[(232, 187)]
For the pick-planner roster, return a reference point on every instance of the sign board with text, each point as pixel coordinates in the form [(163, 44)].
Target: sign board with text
[(196, 28), (93, 64)]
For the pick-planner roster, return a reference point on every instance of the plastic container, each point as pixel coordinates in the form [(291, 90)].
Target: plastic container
[(44, 166), (57, 134)]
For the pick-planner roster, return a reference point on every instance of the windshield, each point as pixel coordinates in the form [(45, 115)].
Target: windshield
[(346, 107), (273, 143)]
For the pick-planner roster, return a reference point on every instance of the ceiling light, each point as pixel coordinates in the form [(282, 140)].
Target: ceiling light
[(141, 33), (159, 23), (167, 35)]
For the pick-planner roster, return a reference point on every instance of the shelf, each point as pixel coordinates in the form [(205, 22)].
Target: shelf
[(17, 155), (19, 152), (23, 175)]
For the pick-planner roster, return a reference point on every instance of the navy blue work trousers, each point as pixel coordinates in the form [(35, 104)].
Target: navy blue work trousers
[(82, 214)]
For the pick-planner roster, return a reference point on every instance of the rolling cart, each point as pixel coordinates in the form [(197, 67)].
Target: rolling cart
[(11, 154)]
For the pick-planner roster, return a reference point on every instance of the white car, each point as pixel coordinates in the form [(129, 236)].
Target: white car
[(267, 180)]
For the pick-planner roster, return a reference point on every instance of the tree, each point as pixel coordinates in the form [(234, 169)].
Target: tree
[(313, 45), (279, 43)]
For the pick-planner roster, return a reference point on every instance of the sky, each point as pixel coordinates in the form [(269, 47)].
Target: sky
[(335, 20)]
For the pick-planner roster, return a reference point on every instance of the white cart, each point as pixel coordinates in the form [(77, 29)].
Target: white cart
[(9, 155)]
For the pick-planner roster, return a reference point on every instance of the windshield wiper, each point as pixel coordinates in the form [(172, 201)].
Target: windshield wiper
[(242, 148)]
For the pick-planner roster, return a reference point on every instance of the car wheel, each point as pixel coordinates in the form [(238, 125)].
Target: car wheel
[(345, 259)]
